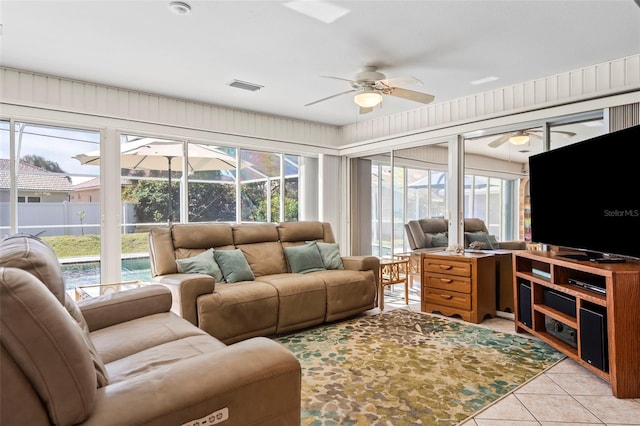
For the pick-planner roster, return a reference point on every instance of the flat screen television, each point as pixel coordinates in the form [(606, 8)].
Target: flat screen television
[(586, 197)]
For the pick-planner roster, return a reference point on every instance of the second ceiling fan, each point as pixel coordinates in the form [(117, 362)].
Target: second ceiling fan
[(521, 137), (370, 86)]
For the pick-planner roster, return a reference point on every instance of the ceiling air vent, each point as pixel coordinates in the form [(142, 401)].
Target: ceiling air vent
[(245, 85)]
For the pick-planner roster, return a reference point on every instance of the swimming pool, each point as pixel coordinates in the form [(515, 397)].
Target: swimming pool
[(86, 273)]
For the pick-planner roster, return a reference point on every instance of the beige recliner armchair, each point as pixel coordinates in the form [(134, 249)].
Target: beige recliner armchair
[(431, 234), (124, 358)]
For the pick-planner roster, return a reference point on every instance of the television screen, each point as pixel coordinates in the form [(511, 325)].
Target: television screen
[(586, 196)]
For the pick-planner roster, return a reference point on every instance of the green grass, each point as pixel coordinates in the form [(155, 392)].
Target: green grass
[(89, 245)]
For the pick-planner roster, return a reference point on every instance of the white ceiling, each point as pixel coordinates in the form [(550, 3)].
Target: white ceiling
[(446, 44)]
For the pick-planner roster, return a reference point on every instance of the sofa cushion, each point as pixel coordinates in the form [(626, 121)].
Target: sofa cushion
[(234, 266), (33, 255), (38, 332), (473, 224), (36, 257), (301, 231), (203, 263), (348, 292), (480, 237), (302, 300), (330, 253), (304, 258), (261, 247), (239, 311), (265, 258), (162, 355), (201, 235), (249, 233), (440, 239), (115, 342), (422, 230)]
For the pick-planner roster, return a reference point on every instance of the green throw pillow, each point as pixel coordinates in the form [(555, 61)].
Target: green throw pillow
[(304, 258), (234, 265), (330, 253), (480, 237), (440, 240), (203, 263)]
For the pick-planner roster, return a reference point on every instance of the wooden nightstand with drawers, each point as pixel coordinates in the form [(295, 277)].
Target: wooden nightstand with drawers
[(461, 285)]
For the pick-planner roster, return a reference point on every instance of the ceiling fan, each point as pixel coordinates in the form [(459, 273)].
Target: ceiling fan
[(369, 86), (521, 137)]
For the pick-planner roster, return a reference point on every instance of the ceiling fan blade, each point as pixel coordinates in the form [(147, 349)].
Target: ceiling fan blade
[(563, 132), (332, 96), (533, 135), (365, 110), (338, 78), (400, 81), (411, 95), (501, 140)]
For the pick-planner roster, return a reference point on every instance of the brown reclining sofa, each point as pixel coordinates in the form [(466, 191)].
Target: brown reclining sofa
[(275, 300), (124, 358)]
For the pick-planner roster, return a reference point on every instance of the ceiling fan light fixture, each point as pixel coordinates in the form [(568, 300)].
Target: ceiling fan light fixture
[(519, 139), (367, 99)]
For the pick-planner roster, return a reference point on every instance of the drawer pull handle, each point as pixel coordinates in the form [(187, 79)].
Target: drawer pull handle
[(445, 280), (446, 296), (445, 267)]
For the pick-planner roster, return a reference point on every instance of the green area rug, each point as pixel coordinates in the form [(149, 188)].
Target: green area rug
[(408, 368)]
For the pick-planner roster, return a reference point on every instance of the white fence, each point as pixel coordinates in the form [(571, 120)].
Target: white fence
[(64, 218)]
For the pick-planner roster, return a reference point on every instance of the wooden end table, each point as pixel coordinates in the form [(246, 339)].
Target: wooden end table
[(394, 271), (461, 285)]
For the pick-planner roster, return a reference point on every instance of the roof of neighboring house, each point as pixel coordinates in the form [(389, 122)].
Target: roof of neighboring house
[(90, 184), (34, 178)]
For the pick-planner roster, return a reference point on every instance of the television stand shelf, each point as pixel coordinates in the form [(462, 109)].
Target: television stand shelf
[(598, 329)]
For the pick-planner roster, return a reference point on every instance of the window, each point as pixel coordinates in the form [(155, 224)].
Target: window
[(490, 199), (212, 185), (268, 186), (291, 181), (50, 179), (22, 199), (417, 193)]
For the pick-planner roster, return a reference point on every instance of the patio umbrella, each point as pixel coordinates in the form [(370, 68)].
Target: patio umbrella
[(157, 154)]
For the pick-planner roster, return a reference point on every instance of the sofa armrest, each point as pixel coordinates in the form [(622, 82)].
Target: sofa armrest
[(258, 369), (115, 308), (363, 263), (512, 245), (185, 289)]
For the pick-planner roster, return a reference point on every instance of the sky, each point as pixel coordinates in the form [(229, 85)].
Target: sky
[(54, 144)]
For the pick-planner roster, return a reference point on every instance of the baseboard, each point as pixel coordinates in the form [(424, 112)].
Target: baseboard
[(506, 315)]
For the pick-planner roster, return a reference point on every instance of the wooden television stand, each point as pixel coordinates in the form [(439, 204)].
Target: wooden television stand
[(598, 326)]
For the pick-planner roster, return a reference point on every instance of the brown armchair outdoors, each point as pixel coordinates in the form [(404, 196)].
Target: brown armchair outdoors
[(432, 234)]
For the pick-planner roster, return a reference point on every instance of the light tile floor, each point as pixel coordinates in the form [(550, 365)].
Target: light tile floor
[(565, 395)]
